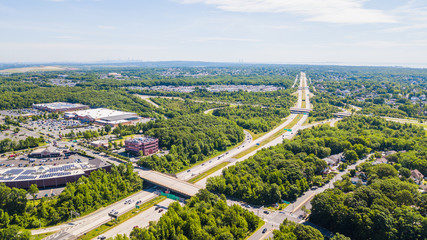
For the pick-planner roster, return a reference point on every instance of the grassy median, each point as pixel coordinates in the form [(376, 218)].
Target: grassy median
[(122, 218), (271, 138), (208, 172)]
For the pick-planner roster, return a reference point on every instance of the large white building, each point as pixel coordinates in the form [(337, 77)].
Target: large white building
[(104, 116)]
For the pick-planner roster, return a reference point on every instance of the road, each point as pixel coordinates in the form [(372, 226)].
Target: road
[(169, 182), (101, 216), (198, 169), (141, 220), (293, 211), (85, 224), (248, 143)]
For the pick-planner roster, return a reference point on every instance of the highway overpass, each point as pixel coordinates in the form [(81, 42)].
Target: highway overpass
[(342, 114), (300, 110), (172, 183)]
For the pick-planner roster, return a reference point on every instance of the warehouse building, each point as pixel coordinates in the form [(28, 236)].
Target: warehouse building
[(148, 145), (60, 107), (104, 116), (52, 175)]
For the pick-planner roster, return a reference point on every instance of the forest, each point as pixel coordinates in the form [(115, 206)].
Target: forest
[(189, 138), (171, 108), (285, 171), (115, 99), (8, 145), (389, 207), (84, 196), (205, 216), (254, 118)]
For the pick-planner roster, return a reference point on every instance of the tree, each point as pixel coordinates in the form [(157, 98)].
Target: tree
[(107, 128), (350, 156), (33, 190)]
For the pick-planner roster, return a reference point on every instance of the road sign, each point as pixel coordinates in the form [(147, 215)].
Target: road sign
[(171, 196)]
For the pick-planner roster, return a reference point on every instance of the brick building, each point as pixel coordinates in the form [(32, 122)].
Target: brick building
[(148, 145)]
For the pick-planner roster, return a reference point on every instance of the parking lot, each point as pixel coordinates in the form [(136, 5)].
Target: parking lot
[(24, 161), (21, 112)]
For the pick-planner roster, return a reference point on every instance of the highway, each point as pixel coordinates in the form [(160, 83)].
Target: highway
[(141, 220), (198, 169), (169, 182), (274, 218), (80, 226), (99, 217)]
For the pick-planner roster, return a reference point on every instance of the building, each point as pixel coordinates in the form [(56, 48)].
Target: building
[(50, 152), (380, 161), (148, 145), (104, 116), (417, 176), (50, 176), (60, 107), (99, 143), (334, 160)]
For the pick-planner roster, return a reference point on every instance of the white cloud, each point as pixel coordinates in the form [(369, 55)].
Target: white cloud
[(331, 11)]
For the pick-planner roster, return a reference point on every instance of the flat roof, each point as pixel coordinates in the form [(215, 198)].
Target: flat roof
[(141, 139), (100, 113), (59, 105)]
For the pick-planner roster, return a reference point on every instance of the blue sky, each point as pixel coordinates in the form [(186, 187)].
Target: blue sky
[(356, 32)]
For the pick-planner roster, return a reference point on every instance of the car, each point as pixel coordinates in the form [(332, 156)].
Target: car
[(264, 230), (136, 226), (188, 170), (266, 212), (102, 237), (161, 210), (157, 208)]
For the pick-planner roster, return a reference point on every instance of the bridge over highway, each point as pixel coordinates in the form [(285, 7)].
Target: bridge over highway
[(172, 183), (342, 114), (300, 110)]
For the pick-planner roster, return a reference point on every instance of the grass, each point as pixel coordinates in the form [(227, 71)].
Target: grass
[(208, 172), (260, 224), (40, 236), (113, 223), (269, 139)]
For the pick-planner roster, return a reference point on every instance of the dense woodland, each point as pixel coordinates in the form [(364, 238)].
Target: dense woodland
[(389, 207), (189, 139), (254, 118), (205, 216), (279, 98), (285, 171), (115, 99), (171, 108), (84, 196), (322, 109), (8, 145)]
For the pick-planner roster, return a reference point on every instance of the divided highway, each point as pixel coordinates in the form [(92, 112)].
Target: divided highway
[(92, 221)]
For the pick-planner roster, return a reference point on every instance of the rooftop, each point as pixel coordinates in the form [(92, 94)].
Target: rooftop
[(59, 105), (141, 139), (101, 113)]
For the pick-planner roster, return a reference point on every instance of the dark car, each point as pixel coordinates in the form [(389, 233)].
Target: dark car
[(161, 210), (266, 212), (264, 230)]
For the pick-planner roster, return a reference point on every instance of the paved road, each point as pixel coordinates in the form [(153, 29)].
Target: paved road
[(141, 220), (196, 170), (169, 182), (95, 219)]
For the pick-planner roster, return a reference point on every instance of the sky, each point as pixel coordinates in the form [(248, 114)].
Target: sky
[(351, 32)]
